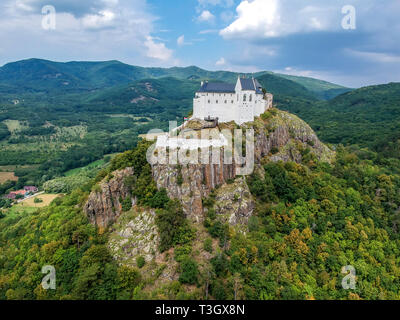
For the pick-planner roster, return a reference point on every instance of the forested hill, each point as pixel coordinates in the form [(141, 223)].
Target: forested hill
[(368, 117), (44, 75)]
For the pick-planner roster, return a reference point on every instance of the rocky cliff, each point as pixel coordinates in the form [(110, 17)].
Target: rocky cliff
[(202, 189), (104, 204), (279, 136)]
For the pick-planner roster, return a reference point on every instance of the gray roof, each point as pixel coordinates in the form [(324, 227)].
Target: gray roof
[(217, 87), (220, 87), (251, 84)]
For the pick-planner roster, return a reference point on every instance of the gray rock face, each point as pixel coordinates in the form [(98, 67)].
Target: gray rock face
[(234, 203), (135, 234), (283, 132), (103, 206), (197, 181)]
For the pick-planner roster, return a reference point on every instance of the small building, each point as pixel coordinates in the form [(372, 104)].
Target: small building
[(13, 195), (10, 196), (31, 189), (239, 102)]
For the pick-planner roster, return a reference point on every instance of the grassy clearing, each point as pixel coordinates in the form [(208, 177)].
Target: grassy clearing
[(14, 125), (12, 168), (46, 197), (15, 211), (124, 115), (94, 165), (5, 176)]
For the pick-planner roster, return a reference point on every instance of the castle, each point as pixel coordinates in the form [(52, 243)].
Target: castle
[(229, 102)]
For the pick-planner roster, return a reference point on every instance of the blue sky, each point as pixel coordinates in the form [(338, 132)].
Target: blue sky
[(300, 37)]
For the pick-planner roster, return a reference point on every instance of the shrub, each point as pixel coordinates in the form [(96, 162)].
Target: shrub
[(159, 200), (140, 261), (253, 223), (126, 204), (189, 271), (220, 264), (172, 226), (38, 200), (208, 245)]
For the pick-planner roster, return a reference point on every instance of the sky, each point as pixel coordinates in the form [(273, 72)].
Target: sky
[(350, 42)]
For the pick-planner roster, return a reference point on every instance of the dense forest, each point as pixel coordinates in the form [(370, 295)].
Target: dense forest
[(312, 219)]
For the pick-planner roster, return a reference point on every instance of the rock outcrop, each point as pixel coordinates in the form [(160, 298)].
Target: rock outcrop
[(279, 136), (104, 204), (135, 234), (286, 134), (233, 203)]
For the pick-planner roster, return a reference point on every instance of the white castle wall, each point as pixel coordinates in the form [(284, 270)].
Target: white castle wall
[(240, 107)]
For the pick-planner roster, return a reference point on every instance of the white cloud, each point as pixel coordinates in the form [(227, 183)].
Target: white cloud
[(100, 20), (181, 40), (115, 29), (157, 50), (206, 16), (208, 31), (220, 62), (375, 56), (223, 3), (274, 18)]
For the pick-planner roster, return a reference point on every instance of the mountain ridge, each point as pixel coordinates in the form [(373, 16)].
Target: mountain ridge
[(100, 74)]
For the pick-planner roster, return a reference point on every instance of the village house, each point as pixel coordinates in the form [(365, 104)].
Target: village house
[(31, 189), (28, 190)]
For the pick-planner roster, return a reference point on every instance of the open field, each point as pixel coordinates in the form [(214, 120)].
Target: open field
[(5, 176), (47, 199), (12, 168), (94, 165), (14, 125), (15, 211)]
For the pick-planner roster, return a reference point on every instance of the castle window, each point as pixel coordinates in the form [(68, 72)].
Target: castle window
[(225, 101), (216, 101), (209, 101), (244, 97), (232, 101), (251, 97)]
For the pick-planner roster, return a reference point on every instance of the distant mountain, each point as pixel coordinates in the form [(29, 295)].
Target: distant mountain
[(167, 98), (282, 87), (35, 75), (322, 89)]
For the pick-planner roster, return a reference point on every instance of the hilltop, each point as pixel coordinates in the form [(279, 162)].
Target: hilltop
[(199, 231)]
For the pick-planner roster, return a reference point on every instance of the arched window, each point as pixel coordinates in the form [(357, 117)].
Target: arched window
[(244, 97), (251, 97)]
